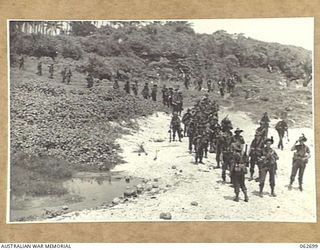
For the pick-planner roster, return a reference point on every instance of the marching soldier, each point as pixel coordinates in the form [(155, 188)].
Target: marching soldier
[(255, 153), (145, 91), (175, 126), (135, 88), (89, 79), (127, 87), (21, 62), (281, 128), (51, 70), (154, 91), (262, 130), (191, 133), (68, 76), (300, 160), (39, 68), (186, 120), (199, 143), (265, 123), (268, 165), (64, 75), (238, 171)]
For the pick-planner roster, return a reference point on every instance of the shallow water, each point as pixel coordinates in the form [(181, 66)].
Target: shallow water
[(85, 191)]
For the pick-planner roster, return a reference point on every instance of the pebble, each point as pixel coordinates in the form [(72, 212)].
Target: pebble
[(165, 216), (155, 185), (194, 203), (116, 201), (65, 208), (173, 167)]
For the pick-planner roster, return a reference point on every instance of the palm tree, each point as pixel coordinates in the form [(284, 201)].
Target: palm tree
[(52, 27)]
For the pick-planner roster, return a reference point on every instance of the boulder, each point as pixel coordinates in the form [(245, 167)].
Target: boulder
[(165, 216), (116, 201), (65, 208), (154, 185)]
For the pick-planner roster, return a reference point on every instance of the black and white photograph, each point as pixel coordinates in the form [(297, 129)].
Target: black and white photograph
[(161, 120)]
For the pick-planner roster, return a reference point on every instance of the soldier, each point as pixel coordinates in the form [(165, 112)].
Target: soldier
[(191, 133), (255, 153), (199, 143), (145, 91), (300, 160), (154, 91), (170, 96), (89, 79), (268, 165), (209, 85), (135, 88), (116, 84), (262, 130), (238, 138), (281, 128), (186, 120), (51, 70), (265, 123), (127, 87), (21, 62), (238, 171), (165, 93), (175, 126), (64, 74), (222, 85), (199, 84), (39, 68), (68, 76)]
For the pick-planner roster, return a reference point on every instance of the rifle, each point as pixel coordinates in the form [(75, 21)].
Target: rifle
[(246, 156)]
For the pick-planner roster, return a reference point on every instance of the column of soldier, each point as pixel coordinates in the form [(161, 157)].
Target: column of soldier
[(205, 134)]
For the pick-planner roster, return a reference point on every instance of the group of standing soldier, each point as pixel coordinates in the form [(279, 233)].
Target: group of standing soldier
[(206, 134)]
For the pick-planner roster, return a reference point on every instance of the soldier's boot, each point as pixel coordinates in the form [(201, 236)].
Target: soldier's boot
[(290, 185), (273, 194), (300, 187), (236, 199), (251, 176), (246, 198), (260, 191)]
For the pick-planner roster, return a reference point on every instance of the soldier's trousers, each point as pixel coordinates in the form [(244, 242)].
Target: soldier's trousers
[(227, 158), (300, 165), (263, 174), (281, 135), (238, 181), (174, 131), (253, 162), (190, 142), (199, 154)]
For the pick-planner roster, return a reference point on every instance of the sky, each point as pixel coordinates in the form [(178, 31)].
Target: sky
[(290, 31)]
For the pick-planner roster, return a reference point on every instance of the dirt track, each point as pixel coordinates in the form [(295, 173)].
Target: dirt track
[(185, 182)]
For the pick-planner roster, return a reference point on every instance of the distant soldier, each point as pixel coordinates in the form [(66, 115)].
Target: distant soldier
[(64, 75), (281, 128), (268, 165), (135, 88), (127, 87), (175, 126), (51, 70), (262, 130), (21, 62), (186, 120), (68, 76), (265, 123), (199, 84), (39, 68), (116, 84), (187, 81), (209, 85), (255, 153), (191, 133), (238, 171), (170, 96), (154, 92), (89, 79), (222, 85), (238, 138), (145, 91), (165, 94), (300, 160)]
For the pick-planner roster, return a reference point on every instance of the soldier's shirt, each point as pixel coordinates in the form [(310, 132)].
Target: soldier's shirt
[(301, 151), (281, 125), (267, 152), (238, 139)]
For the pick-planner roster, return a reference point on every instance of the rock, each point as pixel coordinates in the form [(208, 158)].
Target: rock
[(165, 216), (289, 109), (155, 191), (149, 187), (173, 167), (76, 214), (156, 179), (194, 203), (127, 179), (116, 201), (264, 98), (130, 193), (207, 217), (65, 208), (145, 181), (180, 170), (168, 185), (155, 185)]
